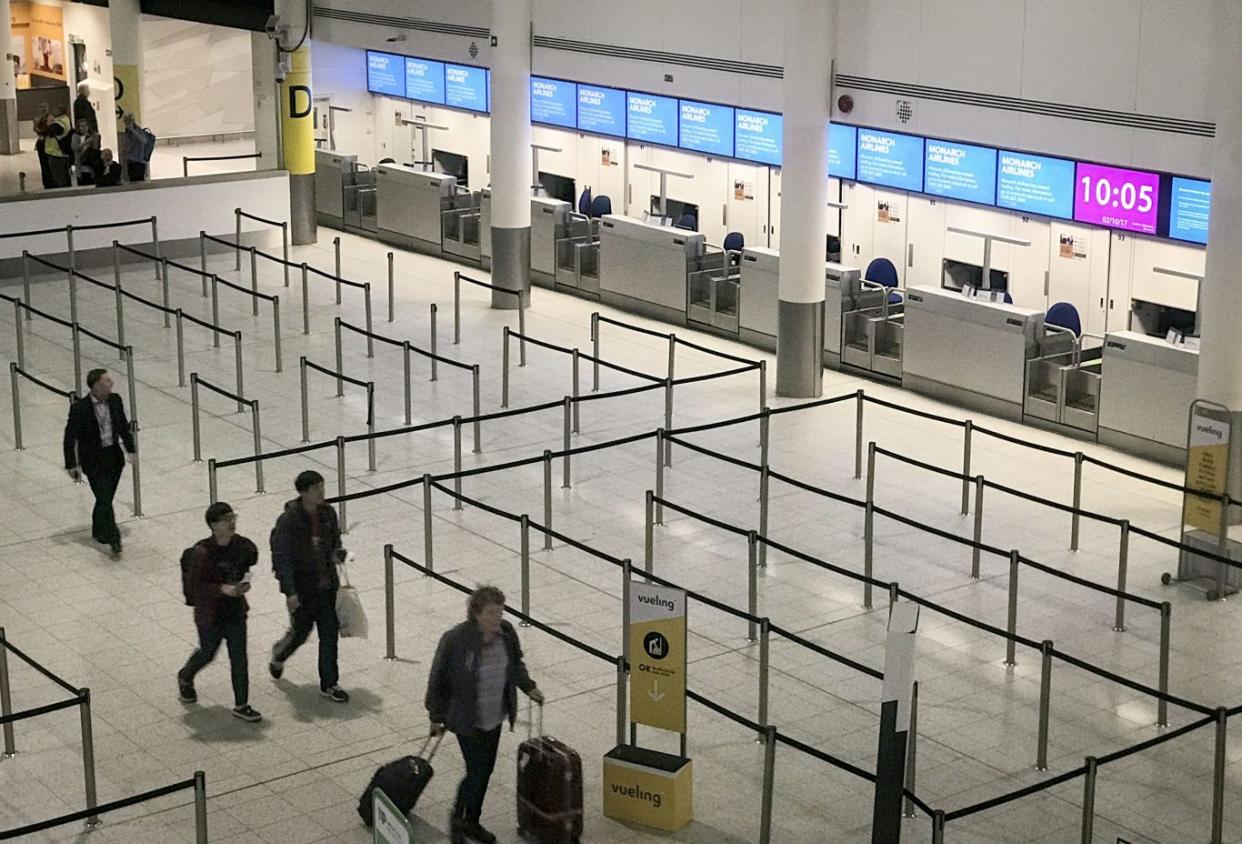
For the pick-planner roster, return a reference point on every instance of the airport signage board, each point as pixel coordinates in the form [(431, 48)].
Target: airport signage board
[(465, 86), (651, 118), (1190, 201), (601, 110), (758, 136), (424, 80), (960, 171), (890, 160), (706, 127), (1035, 184), (554, 102), (385, 74)]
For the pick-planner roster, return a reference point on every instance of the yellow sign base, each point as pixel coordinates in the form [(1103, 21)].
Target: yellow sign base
[(648, 788)]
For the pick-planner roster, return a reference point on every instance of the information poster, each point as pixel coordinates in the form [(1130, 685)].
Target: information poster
[(960, 171), (601, 110), (759, 136), (385, 74), (651, 118), (1190, 203), (1117, 198), (1036, 184), (657, 638), (424, 80), (889, 159), (842, 152), (465, 86), (1207, 466), (706, 128), (554, 101)]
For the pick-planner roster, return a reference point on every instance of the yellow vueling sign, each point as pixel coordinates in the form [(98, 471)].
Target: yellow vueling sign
[(648, 788), (658, 656), (1207, 470)]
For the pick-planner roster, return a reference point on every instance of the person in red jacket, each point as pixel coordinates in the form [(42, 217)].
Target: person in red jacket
[(217, 580)]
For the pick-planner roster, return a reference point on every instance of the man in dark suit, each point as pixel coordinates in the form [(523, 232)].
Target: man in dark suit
[(94, 435)]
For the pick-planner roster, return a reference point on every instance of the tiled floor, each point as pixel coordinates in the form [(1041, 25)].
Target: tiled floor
[(120, 628)]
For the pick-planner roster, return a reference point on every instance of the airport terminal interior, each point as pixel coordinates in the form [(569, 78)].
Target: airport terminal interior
[(842, 394)]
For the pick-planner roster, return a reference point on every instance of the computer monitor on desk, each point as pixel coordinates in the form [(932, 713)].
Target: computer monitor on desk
[(558, 187), (958, 275), (452, 164)]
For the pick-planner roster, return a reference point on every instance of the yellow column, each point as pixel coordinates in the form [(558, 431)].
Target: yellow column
[(297, 132)]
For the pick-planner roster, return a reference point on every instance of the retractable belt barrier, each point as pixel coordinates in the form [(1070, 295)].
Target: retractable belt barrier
[(242, 402), (458, 278)]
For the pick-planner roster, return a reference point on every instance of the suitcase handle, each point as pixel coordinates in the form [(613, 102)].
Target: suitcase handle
[(427, 743), (530, 718)]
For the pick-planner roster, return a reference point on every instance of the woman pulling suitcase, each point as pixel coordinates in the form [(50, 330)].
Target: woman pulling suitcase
[(472, 690)]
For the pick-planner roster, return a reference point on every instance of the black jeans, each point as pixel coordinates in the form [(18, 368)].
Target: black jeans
[(316, 610), (228, 626), (137, 171), (104, 477), (478, 748)]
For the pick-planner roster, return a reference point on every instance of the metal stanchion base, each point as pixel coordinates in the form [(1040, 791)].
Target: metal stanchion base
[(390, 659), (4, 756), (95, 824)]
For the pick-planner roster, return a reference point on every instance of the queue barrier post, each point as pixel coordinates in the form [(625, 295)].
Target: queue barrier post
[(1074, 517), (340, 482), (1045, 702), (390, 609), (26, 282), (215, 310), (73, 278), (254, 281), (392, 294), (180, 349), (305, 405), (155, 247), (765, 641), (200, 808), (258, 448), (627, 581), (752, 584), (211, 480), (859, 401), (165, 297), (504, 366), (76, 332), (120, 299), (280, 360), (371, 426), (659, 475), (894, 593), (456, 308), (237, 240), (769, 785), (88, 756), (366, 298), (340, 364), (1088, 799), (621, 699), (6, 701), (763, 385), (595, 352), (524, 523), (1162, 705), (567, 413), (1218, 776), (284, 248), (967, 431), (1011, 625), (765, 424), (17, 325), (336, 248), (136, 468), (869, 528), (547, 499), (938, 827), (668, 420), (17, 406), (305, 298), (521, 328), (202, 259), (975, 551), (1123, 555), (648, 531), (478, 434), (435, 369), (198, 457), (427, 525), (457, 462), (574, 392), (405, 374), (237, 357), (912, 744)]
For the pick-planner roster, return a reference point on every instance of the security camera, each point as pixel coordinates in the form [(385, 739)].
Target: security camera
[(272, 26), (397, 38)]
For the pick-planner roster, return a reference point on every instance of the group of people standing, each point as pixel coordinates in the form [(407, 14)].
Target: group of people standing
[(73, 147)]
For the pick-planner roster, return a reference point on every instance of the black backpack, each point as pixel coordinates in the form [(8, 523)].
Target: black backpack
[(187, 566)]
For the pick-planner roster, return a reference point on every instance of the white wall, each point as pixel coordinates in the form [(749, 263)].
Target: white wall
[(340, 72)]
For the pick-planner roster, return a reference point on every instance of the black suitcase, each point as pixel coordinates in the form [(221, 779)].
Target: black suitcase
[(401, 780), (549, 790)]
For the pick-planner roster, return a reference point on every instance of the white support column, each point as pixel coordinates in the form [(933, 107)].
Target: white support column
[(125, 26), (8, 86), (804, 197), (1220, 297), (511, 46)]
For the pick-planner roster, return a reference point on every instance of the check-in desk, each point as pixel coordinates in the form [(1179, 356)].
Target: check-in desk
[(760, 300), (1146, 391), (713, 292), (408, 205), (461, 225), (643, 268), (549, 220), (969, 351), (332, 172), (577, 256)]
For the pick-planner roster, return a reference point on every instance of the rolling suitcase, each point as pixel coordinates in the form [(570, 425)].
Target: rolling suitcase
[(401, 780), (549, 789)]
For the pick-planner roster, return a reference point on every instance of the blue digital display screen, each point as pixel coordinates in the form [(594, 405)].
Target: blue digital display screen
[(1189, 205), (465, 87), (651, 118), (705, 127), (842, 152), (891, 160), (1035, 184), (385, 74), (601, 110), (758, 136), (960, 171), (554, 101), (424, 80)]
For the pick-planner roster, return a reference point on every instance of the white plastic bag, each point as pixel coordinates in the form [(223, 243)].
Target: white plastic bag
[(350, 615)]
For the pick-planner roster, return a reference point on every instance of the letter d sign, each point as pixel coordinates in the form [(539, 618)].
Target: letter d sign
[(303, 109)]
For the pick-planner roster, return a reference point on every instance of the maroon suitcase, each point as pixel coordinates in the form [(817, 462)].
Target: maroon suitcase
[(549, 790)]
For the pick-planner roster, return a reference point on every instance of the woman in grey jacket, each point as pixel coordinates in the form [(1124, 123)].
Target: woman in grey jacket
[(471, 692)]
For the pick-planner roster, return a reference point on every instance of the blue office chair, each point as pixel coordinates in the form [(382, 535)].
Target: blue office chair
[(882, 271), (1007, 299), (689, 222), (734, 242), (601, 205), (584, 202), (1064, 315)]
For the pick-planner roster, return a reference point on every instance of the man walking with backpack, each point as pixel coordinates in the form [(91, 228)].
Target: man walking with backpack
[(215, 577), (306, 548)]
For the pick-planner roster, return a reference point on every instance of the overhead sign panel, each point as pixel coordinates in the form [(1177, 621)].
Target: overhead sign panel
[(601, 110), (1190, 204), (424, 80), (385, 74), (842, 152), (1117, 198), (960, 171), (651, 118), (706, 128), (1035, 184), (758, 136), (465, 86), (890, 159), (554, 101), (657, 638)]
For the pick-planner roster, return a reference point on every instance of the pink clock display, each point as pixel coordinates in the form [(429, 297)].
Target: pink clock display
[(1117, 198)]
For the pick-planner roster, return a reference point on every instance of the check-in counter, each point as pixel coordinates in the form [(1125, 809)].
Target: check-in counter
[(969, 351), (408, 205), (1146, 389), (760, 300), (642, 268), (333, 171), (549, 221)]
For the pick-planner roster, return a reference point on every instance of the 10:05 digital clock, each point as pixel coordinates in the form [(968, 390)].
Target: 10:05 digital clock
[(1117, 198)]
